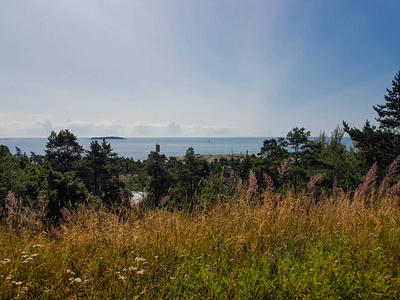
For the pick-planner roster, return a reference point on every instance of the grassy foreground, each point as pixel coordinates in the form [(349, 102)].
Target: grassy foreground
[(284, 248)]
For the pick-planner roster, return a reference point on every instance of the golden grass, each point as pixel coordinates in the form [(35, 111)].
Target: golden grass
[(281, 248)]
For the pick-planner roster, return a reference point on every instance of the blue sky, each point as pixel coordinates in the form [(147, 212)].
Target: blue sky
[(194, 68)]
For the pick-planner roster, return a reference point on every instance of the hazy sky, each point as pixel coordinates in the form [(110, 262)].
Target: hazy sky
[(194, 68)]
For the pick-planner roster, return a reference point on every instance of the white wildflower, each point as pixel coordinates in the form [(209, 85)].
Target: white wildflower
[(5, 261), (156, 257), (18, 283), (139, 259), (141, 272), (132, 268), (70, 272), (125, 270), (37, 246), (78, 280), (34, 255)]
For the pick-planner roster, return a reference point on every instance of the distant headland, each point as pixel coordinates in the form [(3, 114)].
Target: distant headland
[(108, 138)]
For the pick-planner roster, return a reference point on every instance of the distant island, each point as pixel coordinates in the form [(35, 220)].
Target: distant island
[(108, 138)]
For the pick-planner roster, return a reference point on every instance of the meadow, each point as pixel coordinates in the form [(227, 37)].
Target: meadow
[(267, 246)]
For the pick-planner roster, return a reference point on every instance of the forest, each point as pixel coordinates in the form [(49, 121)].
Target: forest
[(305, 218)]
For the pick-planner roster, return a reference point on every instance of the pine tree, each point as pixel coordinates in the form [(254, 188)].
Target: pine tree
[(389, 113), (381, 144), (62, 150)]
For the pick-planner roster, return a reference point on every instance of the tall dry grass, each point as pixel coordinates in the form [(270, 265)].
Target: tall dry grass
[(274, 246)]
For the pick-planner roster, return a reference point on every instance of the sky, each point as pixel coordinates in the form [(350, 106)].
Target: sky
[(194, 68)]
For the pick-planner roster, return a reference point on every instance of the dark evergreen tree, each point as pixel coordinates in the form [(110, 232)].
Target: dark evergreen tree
[(63, 150), (156, 168), (188, 176), (64, 191), (297, 139), (274, 149), (374, 144), (389, 113), (99, 171), (381, 145)]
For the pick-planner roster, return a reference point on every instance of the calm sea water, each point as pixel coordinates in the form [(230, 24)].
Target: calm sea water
[(139, 148)]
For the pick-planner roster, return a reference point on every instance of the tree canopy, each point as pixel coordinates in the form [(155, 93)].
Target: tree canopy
[(389, 113), (63, 150), (381, 145)]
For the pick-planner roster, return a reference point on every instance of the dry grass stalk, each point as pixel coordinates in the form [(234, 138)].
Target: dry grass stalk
[(313, 182), (366, 189), (284, 168), (391, 172), (269, 187), (335, 187), (253, 186), (231, 180)]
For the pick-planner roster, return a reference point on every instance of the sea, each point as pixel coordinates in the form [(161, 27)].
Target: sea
[(138, 148)]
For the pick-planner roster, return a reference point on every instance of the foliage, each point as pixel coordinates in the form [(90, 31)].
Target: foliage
[(380, 145), (340, 164), (156, 168), (188, 176), (297, 138), (375, 145), (10, 175), (274, 149), (213, 191), (389, 113), (64, 192), (99, 171), (24, 180), (63, 150)]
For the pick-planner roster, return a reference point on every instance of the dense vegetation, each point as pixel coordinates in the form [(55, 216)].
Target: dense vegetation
[(306, 218)]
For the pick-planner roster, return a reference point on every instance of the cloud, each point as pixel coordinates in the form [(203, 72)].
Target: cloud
[(113, 128), (147, 129), (175, 130), (25, 129)]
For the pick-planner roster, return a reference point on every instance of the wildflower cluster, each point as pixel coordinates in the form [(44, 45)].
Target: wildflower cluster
[(5, 261), (127, 271), (17, 283), (28, 258), (74, 279), (142, 261)]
